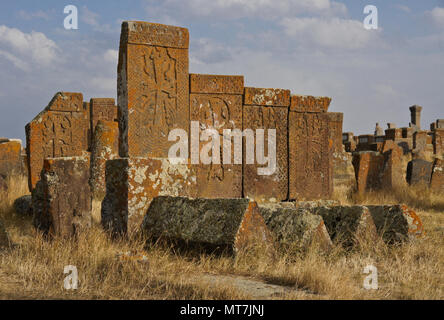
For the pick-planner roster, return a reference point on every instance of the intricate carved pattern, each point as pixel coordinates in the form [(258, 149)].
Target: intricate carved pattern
[(219, 112), (274, 186), (310, 157), (157, 102)]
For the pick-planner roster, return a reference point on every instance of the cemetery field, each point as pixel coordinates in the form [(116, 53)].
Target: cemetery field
[(34, 267)]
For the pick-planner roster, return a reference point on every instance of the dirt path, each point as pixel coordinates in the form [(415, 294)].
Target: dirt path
[(256, 289)]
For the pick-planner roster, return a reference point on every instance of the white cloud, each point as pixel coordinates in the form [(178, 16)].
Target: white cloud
[(234, 9), (111, 56), (329, 33), (34, 46), (206, 50), (88, 17), (104, 84), (437, 15)]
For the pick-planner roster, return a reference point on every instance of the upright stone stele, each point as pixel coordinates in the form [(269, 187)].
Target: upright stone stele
[(310, 156), (267, 109), (152, 88), (216, 104), (60, 130)]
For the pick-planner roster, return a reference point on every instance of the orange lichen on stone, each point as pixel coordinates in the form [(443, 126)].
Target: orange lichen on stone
[(153, 87), (437, 182), (105, 147), (102, 109), (266, 97), (301, 103), (218, 111), (210, 83), (368, 165), (310, 157), (415, 228), (60, 130), (252, 230), (10, 158), (132, 183)]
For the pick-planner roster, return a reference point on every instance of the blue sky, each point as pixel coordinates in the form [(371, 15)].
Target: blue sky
[(315, 47)]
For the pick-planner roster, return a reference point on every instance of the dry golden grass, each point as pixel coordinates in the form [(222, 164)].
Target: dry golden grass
[(33, 269)]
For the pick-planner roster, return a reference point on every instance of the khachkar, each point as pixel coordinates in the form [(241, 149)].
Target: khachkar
[(216, 104), (152, 88), (60, 130), (310, 156), (267, 109)]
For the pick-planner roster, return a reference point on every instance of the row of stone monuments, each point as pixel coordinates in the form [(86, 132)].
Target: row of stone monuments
[(79, 152), (399, 156)]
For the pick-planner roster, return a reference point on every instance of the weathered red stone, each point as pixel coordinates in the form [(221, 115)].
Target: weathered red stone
[(301, 103), (105, 147), (266, 97), (60, 130), (368, 165), (437, 182), (153, 87), (267, 114), (217, 111), (10, 158), (67, 195), (131, 185), (102, 109), (310, 157)]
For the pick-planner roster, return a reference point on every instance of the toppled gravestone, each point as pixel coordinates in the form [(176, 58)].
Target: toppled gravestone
[(223, 224), (62, 200), (23, 205), (348, 225), (4, 238), (396, 224), (295, 228), (132, 183)]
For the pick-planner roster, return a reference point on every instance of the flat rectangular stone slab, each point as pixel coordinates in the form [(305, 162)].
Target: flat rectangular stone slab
[(301, 103), (60, 130), (310, 157), (217, 111), (105, 147), (437, 182), (419, 171), (234, 224), (368, 166), (275, 186), (153, 87), (210, 83), (102, 109), (131, 185), (10, 159), (266, 97), (67, 195)]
